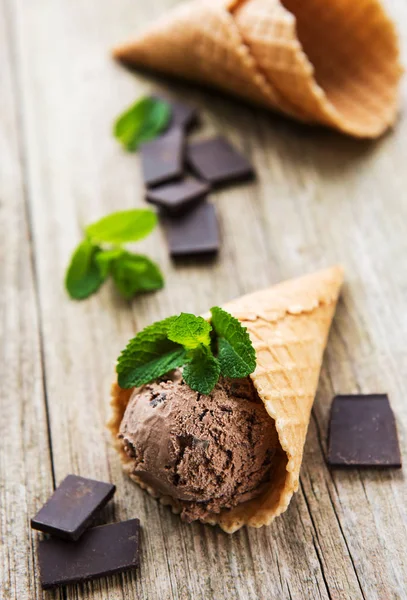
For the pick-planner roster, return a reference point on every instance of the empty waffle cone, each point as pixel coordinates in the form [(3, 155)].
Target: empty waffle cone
[(334, 63), (288, 325)]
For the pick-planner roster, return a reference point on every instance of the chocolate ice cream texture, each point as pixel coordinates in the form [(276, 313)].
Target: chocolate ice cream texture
[(208, 452)]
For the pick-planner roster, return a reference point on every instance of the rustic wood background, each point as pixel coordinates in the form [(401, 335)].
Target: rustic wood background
[(320, 198)]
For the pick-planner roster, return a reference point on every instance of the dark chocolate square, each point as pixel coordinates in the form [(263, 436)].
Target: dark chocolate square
[(72, 507), (101, 551), (162, 159), (195, 232), (178, 196), (217, 162), (363, 432), (182, 115)]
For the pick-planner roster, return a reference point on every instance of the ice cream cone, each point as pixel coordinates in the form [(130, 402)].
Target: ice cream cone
[(289, 325), (334, 63)]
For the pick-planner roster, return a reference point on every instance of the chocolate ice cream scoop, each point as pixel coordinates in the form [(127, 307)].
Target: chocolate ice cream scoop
[(207, 452)]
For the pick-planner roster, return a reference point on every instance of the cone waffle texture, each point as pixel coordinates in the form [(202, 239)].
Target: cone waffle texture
[(288, 325), (334, 63)]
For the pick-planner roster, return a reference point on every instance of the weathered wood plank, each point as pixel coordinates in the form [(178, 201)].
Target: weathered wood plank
[(25, 462), (320, 198)]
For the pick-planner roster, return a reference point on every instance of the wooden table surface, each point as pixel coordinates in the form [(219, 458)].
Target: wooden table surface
[(320, 198)]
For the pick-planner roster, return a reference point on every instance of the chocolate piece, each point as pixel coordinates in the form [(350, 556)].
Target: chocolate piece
[(162, 158), (72, 507), (100, 551), (195, 232), (363, 432), (178, 196), (182, 115), (216, 161)]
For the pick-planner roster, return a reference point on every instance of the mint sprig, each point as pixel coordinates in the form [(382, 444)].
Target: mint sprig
[(141, 122), (92, 262), (205, 349)]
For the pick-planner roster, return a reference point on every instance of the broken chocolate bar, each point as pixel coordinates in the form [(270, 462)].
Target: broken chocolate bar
[(195, 232), (72, 507), (178, 196), (217, 162), (101, 551), (363, 432), (162, 158)]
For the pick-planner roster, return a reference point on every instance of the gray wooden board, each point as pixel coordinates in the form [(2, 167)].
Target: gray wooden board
[(320, 198), (25, 455)]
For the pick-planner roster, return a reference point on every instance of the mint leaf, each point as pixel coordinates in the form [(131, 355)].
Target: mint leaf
[(231, 363), (202, 372), (146, 347), (151, 370), (141, 122), (157, 119), (236, 354), (135, 273), (123, 226), (190, 331), (105, 258), (83, 276)]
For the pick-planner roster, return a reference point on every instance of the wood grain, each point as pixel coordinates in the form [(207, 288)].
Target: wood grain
[(320, 198), (26, 477)]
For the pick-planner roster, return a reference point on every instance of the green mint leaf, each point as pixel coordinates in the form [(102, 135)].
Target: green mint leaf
[(202, 372), (236, 354), (141, 122), (135, 273), (123, 226), (105, 258), (158, 117), (83, 276), (147, 346), (186, 341), (190, 331), (149, 371), (231, 363)]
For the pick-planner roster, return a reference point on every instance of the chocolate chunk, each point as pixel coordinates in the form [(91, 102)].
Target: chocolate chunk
[(72, 507), (101, 551), (162, 158), (363, 432), (158, 399), (179, 196), (195, 232), (182, 115), (217, 162)]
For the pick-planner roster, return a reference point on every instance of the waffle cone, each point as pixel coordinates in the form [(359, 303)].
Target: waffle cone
[(289, 325), (334, 63)]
